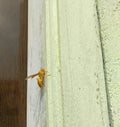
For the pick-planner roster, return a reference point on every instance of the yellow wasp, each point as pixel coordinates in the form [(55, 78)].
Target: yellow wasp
[(41, 75)]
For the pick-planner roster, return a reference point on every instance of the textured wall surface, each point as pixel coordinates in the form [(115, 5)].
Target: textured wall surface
[(82, 57), (76, 92), (109, 17), (35, 95)]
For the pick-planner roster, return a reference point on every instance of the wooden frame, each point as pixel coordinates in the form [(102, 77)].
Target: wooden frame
[(13, 88)]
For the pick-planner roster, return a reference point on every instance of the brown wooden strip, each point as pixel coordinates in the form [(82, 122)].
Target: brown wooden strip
[(13, 65)]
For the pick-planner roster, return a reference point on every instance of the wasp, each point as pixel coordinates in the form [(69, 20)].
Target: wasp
[(41, 75)]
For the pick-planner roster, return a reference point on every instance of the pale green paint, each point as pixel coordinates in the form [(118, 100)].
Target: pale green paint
[(53, 82), (76, 95), (109, 14)]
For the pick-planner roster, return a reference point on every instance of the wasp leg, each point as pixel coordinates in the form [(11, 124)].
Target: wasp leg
[(32, 76)]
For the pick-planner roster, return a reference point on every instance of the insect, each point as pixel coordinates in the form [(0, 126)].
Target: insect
[(40, 79)]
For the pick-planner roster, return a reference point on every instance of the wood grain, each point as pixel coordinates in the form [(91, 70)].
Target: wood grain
[(13, 86)]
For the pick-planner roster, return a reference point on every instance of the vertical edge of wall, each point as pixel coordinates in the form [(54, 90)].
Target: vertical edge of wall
[(76, 93), (53, 82), (35, 95), (109, 16)]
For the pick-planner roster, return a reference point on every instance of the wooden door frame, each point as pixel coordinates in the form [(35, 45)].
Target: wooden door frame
[(13, 89)]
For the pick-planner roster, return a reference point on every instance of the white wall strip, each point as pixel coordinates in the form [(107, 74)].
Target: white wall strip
[(35, 95)]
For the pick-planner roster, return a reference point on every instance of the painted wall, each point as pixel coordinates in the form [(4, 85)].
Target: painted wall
[(35, 95), (109, 18), (82, 56)]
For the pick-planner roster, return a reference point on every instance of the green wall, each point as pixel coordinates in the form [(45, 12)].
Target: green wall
[(82, 58)]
